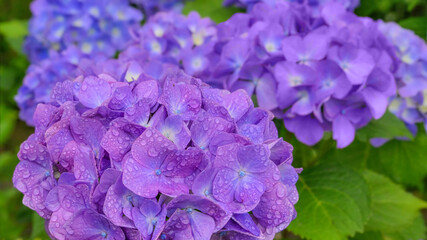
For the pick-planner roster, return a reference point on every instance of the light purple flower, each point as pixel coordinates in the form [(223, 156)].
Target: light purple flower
[(411, 75), (170, 37), (298, 56), (121, 152)]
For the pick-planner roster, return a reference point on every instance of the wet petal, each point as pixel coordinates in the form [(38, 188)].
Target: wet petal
[(224, 185), (89, 224), (94, 91), (275, 209), (139, 179), (151, 148)]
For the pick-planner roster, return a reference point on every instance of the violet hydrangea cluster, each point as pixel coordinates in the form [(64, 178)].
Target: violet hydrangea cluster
[(167, 37), (410, 105), (41, 77), (94, 26), (325, 72), (184, 41), (312, 5), (129, 153)]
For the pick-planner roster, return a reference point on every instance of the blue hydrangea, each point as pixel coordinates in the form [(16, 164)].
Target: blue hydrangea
[(94, 26)]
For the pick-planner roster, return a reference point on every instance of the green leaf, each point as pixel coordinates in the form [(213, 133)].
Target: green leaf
[(416, 24), (365, 8), (12, 224), (7, 123), (371, 235), (414, 231), (369, 7), (38, 229), (402, 161), (304, 156), (389, 126), (412, 4), (14, 32), (329, 207), (8, 162), (211, 8), (8, 76), (355, 155), (391, 206), (255, 100)]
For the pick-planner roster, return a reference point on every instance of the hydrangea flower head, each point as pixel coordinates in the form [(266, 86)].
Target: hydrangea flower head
[(125, 153), (328, 69), (92, 26), (41, 78), (312, 5), (410, 56), (185, 41)]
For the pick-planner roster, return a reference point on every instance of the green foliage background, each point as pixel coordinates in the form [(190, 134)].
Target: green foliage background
[(360, 192)]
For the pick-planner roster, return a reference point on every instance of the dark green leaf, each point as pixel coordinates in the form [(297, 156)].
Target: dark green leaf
[(38, 230), (8, 162), (304, 156), (12, 225), (389, 126), (7, 123), (391, 206), (402, 161), (334, 203), (7, 78), (367, 7), (356, 155), (371, 235), (412, 4), (211, 8), (416, 24)]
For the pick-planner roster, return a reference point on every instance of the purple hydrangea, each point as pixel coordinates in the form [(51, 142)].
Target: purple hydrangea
[(411, 76), (92, 26), (331, 71), (128, 152), (184, 41), (150, 7), (312, 5)]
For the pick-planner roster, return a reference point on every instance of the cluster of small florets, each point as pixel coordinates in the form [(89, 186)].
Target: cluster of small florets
[(170, 37), (93, 26), (410, 105), (151, 7), (319, 73), (61, 58), (312, 5), (42, 76), (122, 154)]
